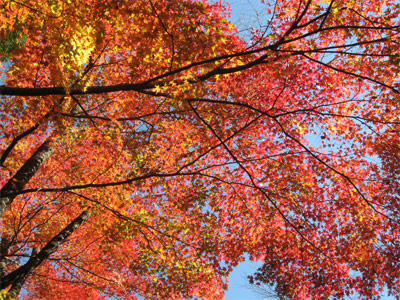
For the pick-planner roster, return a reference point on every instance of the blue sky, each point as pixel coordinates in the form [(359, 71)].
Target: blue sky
[(239, 288), (247, 14)]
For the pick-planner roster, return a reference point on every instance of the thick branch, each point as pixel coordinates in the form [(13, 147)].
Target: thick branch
[(47, 91), (23, 175), (20, 137), (4, 245), (102, 185), (17, 277)]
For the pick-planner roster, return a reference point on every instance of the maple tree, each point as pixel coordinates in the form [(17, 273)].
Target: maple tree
[(146, 148)]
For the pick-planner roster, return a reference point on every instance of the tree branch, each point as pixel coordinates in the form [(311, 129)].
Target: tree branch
[(18, 276), (24, 174)]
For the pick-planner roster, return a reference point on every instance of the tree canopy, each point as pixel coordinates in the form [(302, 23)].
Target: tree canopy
[(146, 148)]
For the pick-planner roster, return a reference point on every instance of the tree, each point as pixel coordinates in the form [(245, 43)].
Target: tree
[(146, 148)]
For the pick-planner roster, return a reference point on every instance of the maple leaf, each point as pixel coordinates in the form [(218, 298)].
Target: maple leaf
[(146, 148)]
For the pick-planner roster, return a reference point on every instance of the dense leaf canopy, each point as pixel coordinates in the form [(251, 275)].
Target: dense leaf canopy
[(146, 148)]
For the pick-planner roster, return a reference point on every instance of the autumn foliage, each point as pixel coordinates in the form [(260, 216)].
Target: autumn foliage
[(146, 147)]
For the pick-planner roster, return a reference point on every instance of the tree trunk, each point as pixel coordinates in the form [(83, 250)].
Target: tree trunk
[(17, 277), (23, 175)]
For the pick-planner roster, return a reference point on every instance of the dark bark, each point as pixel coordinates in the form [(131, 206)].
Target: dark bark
[(4, 245), (15, 141), (17, 277), (15, 289), (23, 175), (47, 91)]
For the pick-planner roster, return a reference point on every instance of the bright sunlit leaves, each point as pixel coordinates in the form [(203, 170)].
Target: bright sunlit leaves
[(192, 147)]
